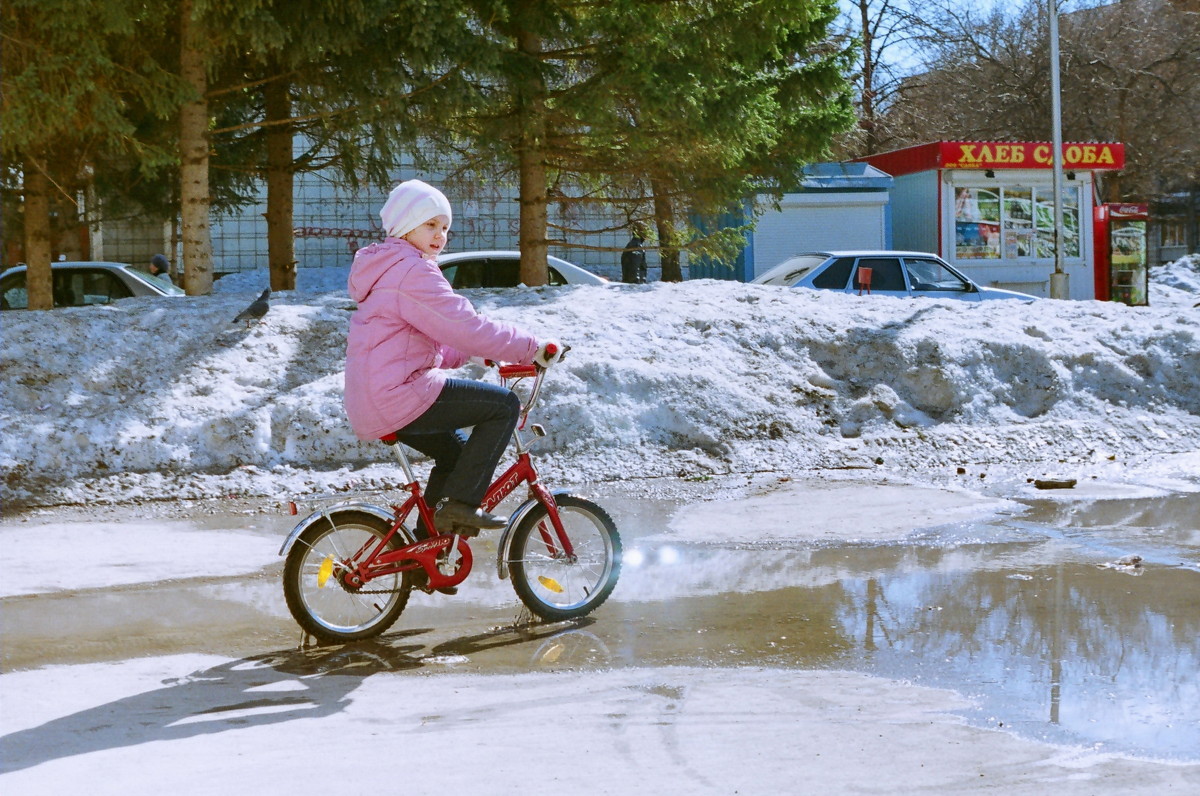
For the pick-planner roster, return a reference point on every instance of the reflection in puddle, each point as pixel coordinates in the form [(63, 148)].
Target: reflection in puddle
[(1075, 654), (1076, 624)]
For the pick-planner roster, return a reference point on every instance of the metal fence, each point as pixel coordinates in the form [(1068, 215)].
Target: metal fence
[(331, 223)]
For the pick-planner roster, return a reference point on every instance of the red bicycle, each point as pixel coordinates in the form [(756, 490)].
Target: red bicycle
[(351, 566)]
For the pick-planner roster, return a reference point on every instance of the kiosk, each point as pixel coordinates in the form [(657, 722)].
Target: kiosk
[(988, 208)]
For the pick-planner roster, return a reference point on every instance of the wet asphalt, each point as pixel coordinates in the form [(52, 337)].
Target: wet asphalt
[(1071, 622)]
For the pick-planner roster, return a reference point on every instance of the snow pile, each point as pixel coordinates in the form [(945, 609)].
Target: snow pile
[(1176, 283), (159, 396)]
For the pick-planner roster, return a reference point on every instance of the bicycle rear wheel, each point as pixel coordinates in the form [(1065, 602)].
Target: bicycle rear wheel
[(556, 586), (312, 584)]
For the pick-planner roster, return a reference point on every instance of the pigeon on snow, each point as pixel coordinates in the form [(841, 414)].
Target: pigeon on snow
[(256, 310)]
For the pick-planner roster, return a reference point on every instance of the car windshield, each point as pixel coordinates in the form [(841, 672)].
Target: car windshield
[(788, 272), (164, 285), (933, 275)]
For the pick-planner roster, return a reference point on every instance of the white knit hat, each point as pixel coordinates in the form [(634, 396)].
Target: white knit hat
[(411, 204)]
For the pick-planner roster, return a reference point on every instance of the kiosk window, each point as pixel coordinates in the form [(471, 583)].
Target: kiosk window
[(976, 223), (1045, 221), (1013, 222), (1018, 222)]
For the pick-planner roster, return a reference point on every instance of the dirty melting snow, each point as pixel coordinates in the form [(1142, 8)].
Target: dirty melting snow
[(154, 397)]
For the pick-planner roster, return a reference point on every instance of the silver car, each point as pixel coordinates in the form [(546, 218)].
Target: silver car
[(503, 269), (881, 273), (79, 284)]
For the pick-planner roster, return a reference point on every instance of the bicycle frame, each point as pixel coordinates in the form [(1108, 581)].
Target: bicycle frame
[(373, 560)]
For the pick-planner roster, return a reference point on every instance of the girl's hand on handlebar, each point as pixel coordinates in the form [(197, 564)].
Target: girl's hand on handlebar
[(550, 353), (486, 363)]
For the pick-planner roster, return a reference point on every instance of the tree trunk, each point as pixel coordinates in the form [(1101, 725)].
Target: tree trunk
[(193, 155), (664, 222), (38, 279), (281, 243), (532, 168), (868, 120)]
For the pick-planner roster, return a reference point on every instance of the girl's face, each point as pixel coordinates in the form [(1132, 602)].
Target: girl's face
[(430, 237)]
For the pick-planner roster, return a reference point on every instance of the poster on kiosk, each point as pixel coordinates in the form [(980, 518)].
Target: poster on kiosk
[(1121, 272)]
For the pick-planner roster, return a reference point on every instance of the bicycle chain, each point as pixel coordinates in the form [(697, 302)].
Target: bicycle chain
[(380, 591), (387, 591), (373, 591)]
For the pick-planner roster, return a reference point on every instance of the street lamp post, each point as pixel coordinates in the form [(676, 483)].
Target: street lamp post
[(1059, 281)]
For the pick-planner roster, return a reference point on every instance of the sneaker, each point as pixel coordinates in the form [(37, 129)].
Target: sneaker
[(455, 512), (420, 581), (462, 530)]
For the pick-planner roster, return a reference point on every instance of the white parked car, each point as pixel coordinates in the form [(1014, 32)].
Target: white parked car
[(502, 269), (79, 284), (892, 273)]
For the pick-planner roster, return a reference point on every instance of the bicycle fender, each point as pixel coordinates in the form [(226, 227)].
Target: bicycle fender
[(320, 514), (502, 548)]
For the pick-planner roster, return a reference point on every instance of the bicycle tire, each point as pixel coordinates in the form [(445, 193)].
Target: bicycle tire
[(552, 586), (318, 601)]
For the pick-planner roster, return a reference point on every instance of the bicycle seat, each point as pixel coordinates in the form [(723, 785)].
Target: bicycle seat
[(389, 439)]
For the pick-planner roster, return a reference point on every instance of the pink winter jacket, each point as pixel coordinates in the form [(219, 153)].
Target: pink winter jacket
[(408, 326)]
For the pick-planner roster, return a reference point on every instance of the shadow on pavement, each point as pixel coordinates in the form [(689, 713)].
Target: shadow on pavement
[(260, 690)]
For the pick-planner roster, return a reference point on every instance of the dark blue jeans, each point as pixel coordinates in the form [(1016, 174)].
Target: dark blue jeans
[(463, 467)]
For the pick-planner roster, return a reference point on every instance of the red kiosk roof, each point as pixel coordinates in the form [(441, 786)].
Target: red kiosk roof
[(997, 155)]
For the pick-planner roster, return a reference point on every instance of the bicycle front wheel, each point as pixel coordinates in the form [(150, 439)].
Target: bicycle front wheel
[(551, 583), (316, 595)]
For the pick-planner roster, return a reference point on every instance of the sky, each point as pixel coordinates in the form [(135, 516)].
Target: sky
[(164, 399), (151, 397)]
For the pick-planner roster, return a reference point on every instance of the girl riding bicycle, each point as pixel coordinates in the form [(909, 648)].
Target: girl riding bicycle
[(410, 327)]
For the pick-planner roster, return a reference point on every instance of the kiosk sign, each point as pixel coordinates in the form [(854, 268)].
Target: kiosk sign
[(1028, 155)]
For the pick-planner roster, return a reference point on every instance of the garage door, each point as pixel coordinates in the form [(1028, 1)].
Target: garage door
[(802, 225)]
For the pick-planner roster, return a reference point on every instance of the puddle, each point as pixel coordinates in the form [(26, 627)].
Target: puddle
[(1044, 620), (1067, 653)]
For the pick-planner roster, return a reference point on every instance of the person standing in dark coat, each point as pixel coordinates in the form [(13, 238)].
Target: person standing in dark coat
[(160, 267), (633, 259)]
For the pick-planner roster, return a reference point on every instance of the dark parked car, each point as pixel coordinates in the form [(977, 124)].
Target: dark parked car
[(892, 273), (78, 284)]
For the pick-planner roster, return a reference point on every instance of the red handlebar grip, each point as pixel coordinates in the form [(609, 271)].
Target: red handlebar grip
[(551, 349)]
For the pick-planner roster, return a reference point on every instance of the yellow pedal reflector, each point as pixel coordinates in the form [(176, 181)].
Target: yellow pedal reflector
[(550, 583), (325, 572)]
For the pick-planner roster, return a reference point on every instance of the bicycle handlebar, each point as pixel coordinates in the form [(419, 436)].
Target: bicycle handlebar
[(522, 371), (535, 371), (517, 371)]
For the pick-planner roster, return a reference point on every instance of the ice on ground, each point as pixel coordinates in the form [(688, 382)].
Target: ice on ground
[(37, 561)]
